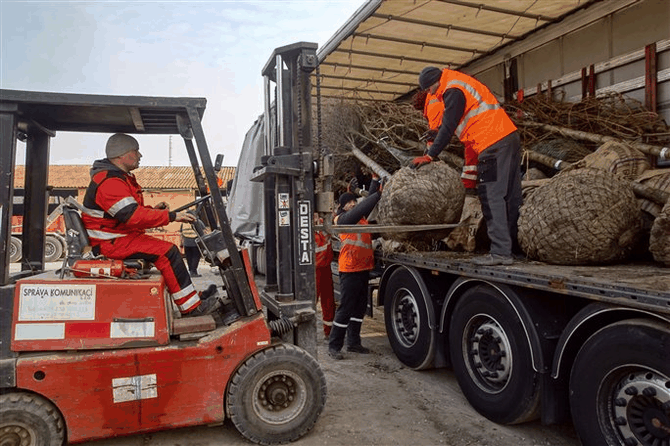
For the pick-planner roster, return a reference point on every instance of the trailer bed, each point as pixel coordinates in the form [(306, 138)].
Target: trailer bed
[(640, 285)]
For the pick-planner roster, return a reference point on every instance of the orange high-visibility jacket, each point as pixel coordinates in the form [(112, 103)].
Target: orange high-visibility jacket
[(356, 252), (484, 121)]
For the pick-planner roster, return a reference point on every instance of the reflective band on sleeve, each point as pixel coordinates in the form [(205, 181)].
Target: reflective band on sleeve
[(102, 235), (468, 176), (116, 207), (470, 168), (321, 248)]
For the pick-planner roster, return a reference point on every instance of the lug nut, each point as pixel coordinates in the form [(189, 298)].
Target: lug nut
[(649, 391), (630, 441), (632, 391), (620, 402), (621, 421)]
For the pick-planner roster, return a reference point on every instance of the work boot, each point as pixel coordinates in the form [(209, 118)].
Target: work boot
[(358, 349), (335, 354), (493, 259), (209, 306), (208, 292)]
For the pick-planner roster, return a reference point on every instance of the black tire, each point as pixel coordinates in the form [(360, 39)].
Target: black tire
[(15, 247), (406, 318), (491, 357), (29, 420), (620, 386), (53, 249), (277, 395)]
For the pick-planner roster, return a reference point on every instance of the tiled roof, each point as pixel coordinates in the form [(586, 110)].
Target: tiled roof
[(149, 177)]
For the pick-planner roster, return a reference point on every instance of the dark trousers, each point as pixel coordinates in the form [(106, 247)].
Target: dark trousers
[(192, 254), (499, 190), (349, 315)]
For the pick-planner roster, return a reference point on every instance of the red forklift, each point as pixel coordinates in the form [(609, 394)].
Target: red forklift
[(96, 350)]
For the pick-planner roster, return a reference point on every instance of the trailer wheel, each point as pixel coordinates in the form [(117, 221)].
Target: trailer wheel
[(620, 386), (406, 318), (27, 420), (491, 357), (277, 395), (53, 249), (15, 247)]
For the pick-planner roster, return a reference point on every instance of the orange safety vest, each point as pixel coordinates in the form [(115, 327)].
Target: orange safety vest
[(356, 252), (484, 121)]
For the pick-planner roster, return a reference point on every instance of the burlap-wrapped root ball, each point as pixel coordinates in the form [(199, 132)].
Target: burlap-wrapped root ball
[(659, 239), (580, 217), (431, 194)]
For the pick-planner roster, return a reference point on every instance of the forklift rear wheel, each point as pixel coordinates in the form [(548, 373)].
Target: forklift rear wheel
[(15, 247), (53, 249), (277, 395), (27, 420)]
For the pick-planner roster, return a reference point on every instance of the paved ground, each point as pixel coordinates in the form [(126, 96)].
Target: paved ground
[(375, 400)]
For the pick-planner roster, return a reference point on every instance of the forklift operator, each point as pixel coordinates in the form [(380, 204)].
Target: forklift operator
[(116, 218)]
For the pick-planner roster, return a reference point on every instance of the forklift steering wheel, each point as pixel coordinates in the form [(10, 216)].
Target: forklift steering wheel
[(193, 203)]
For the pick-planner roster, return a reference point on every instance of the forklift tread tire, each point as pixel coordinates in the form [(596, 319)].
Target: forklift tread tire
[(15, 248), (27, 420), (276, 395)]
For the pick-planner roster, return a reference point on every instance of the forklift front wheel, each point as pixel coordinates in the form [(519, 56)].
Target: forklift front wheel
[(27, 419), (277, 395)]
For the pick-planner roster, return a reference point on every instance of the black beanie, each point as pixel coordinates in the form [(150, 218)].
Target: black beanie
[(429, 76), (346, 198)]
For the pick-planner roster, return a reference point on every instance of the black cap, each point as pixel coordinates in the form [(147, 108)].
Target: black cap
[(429, 76), (346, 198)]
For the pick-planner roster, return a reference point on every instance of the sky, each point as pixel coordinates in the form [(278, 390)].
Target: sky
[(210, 49)]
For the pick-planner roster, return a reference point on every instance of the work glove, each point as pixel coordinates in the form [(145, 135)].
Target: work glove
[(353, 185), (421, 160)]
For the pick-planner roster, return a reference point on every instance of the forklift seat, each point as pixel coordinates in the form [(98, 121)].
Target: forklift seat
[(78, 243)]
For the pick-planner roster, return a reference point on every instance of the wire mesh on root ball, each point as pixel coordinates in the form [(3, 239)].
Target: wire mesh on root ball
[(431, 194), (580, 217)]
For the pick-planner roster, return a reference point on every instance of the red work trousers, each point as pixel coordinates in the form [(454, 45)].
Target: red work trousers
[(165, 256), (324, 291)]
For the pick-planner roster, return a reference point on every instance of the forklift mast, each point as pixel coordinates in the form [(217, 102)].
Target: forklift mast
[(287, 173)]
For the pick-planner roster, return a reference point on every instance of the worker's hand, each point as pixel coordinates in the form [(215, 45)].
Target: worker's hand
[(185, 217), (429, 135), (353, 185), (421, 160), (162, 205)]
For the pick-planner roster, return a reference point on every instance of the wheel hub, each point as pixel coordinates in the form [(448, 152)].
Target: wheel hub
[(490, 354), (14, 436), (406, 319), (279, 397), (642, 409)]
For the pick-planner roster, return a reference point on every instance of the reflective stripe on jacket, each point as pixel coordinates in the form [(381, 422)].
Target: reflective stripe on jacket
[(323, 250), (114, 205), (356, 252), (484, 121)]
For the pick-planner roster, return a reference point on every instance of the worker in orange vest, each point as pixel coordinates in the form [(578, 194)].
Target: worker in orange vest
[(471, 112), (324, 276), (355, 261)]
